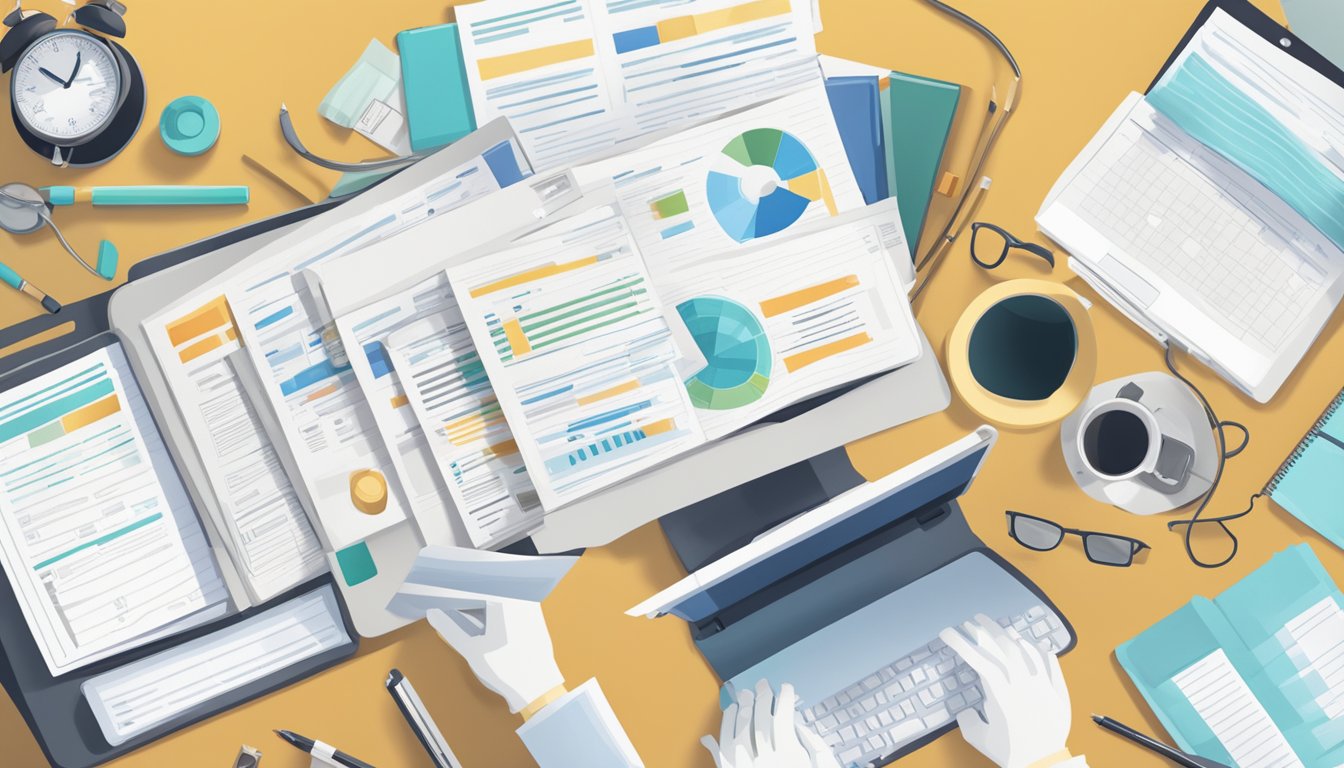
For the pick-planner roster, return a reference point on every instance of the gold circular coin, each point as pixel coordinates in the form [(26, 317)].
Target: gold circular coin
[(368, 491)]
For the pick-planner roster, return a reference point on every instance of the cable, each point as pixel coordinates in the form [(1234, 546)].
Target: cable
[(982, 29), (1223, 455), (292, 138)]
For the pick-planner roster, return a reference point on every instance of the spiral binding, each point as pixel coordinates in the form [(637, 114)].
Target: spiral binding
[(1303, 444)]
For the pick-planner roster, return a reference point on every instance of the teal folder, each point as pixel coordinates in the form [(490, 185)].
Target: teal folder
[(1310, 483), (434, 83), (921, 113), (1250, 623)]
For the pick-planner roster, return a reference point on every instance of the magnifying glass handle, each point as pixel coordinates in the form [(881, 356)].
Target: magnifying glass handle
[(148, 195), (13, 280)]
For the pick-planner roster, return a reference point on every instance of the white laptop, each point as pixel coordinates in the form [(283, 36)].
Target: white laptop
[(1191, 246)]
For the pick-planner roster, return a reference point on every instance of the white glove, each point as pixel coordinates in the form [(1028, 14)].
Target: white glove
[(510, 652), (1026, 704), (760, 731)]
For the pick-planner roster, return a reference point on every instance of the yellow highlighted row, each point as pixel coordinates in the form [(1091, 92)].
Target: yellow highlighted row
[(400, 400), (817, 354), (189, 353), (330, 389), (82, 417), (213, 315), (548, 270), (682, 27), (522, 61), (610, 392), (505, 448), (658, 427), (801, 298)]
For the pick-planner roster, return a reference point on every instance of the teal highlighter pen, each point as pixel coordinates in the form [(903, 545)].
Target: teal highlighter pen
[(16, 282)]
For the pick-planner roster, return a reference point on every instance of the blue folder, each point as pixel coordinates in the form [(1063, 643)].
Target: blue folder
[(858, 114), (1247, 623)]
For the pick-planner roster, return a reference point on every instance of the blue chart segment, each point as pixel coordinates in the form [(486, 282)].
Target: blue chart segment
[(736, 350), (763, 182)]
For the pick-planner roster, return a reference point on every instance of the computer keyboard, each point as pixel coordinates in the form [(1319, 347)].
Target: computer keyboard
[(906, 699), (1171, 218)]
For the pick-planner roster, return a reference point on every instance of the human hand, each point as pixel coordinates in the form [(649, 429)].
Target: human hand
[(761, 731), (1026, 703), (510, 652)]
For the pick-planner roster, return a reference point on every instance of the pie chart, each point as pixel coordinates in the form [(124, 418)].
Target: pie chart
[(762, 182), (736, 350)]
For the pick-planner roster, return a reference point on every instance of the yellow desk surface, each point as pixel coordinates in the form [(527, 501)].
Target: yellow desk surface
[(1079, 60)]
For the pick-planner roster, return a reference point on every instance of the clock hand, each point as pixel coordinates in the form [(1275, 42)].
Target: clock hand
[(49, 74), (79, 59)]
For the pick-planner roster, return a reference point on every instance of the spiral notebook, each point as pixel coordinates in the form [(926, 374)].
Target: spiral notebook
[(1310, 482)]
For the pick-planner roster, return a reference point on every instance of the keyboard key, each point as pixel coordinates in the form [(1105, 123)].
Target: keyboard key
[(937, 645), (848, 733), (966, 676), (937, 690), (972, 694), (956, 702), (946, 666), (880, 697), (908, 707), (904, 664), (897, 688), (850, 755), (875, 743), (872, 681), (872, 724), (808, 716), (919, 656), (951, 683), (827, 723), (840, 699), (1040, 629), (869, 705), (885, 718), (832, 739), (855, 712), (927, 697), (906, 731), (918, 675), (936, 716), (853, 692), (887, 674), (1035, 612)]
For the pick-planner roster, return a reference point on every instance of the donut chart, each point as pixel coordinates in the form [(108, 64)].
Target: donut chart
[(736, 350), (762, 182)]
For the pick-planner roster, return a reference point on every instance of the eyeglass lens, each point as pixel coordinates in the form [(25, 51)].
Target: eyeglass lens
[(1108, 550), (1035, 534), (989, 246)]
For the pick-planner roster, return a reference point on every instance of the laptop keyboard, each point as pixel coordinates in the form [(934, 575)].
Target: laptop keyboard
[(906, 699), (1170, 218)]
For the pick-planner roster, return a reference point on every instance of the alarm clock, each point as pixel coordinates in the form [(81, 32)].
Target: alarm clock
[(77, 97)]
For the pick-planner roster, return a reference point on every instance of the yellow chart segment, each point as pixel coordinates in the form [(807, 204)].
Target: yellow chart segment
[(467, 429), (536, 58), (814, 187), (518, 343), (619, 389)]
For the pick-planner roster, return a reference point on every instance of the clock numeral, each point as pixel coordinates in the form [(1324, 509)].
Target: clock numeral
[(70, 121)]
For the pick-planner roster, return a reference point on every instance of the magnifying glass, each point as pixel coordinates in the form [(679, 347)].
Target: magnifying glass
[(23, 209)]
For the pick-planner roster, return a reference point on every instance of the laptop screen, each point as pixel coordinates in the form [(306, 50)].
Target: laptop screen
[(845, 519)]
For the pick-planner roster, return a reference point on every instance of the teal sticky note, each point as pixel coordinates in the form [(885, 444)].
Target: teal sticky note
[(1312, 488), (434, 83), (356, 562)]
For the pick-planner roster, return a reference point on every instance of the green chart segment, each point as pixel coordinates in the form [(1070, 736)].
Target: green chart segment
[(736, 350)]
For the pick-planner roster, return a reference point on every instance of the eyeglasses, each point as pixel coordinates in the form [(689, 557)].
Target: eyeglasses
[(1101, 548), (990, 245)]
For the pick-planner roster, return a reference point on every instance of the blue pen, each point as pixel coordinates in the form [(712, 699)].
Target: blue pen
[(147, 195), (12, 278)]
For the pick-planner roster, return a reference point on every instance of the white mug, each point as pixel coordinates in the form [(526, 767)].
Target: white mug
[(1138, 456)]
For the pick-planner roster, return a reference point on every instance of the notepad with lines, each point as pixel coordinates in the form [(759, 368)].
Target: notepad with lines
[(1310, 482)]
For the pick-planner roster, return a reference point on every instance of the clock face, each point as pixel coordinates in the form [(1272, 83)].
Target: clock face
[(65, 87)]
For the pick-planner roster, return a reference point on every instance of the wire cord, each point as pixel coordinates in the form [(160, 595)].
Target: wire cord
[(1219, 430)]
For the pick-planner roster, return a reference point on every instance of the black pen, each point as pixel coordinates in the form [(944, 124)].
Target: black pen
[(1171, 753), (306, 744)]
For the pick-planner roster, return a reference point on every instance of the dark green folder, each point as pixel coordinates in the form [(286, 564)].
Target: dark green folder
[(922, 110)]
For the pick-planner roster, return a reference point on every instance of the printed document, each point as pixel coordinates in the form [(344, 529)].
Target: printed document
[(145, 694), (305, 370), (576, 335), (99, 541), (469, 437), (578, 77), (266, 528), (1228, 707)]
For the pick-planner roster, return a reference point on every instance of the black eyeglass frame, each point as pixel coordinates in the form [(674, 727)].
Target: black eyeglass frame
[(1135, 546), (1010, 242)]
